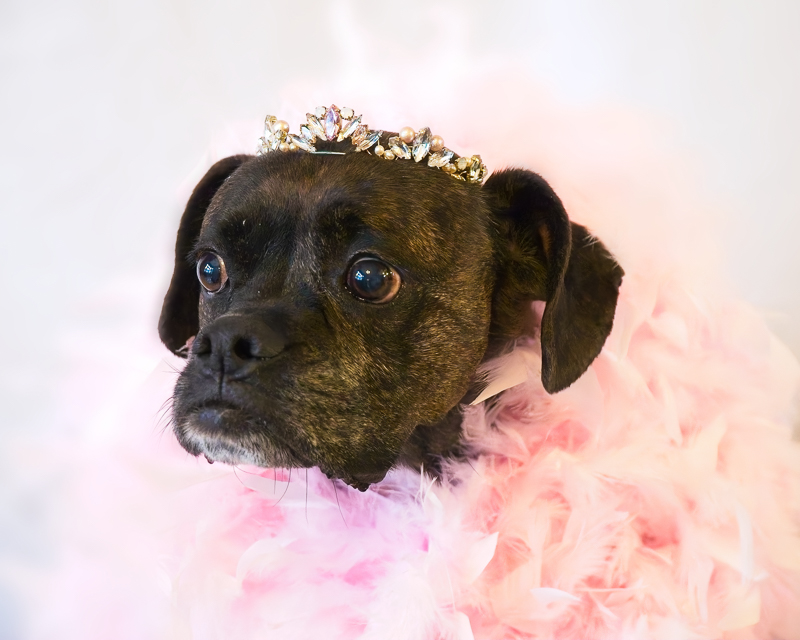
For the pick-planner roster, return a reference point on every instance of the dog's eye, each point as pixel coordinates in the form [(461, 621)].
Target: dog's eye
[(372, 280), (211, 272)]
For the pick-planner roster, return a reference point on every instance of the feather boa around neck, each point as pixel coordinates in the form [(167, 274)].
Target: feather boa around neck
[(658, 497)]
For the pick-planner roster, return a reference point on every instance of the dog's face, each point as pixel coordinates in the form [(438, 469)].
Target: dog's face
[(340, 305)]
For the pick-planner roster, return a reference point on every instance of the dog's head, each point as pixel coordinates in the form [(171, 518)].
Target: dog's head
[(337, 307)]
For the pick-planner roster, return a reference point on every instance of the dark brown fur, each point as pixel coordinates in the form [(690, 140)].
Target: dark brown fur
[(326, 379)]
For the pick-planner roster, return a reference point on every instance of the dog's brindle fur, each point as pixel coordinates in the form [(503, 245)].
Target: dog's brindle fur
[(289, 368)]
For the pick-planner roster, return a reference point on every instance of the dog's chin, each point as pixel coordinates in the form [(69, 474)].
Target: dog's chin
[(225, 433), (228, 434)]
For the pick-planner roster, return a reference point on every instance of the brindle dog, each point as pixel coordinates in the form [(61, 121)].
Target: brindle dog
[(335, 308)]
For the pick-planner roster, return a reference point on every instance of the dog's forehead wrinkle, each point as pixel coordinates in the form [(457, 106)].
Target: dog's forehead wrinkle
[(301, 267), (325, 189)]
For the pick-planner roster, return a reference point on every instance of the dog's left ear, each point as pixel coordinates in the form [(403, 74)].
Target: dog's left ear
[(542, 256), (179, 319)]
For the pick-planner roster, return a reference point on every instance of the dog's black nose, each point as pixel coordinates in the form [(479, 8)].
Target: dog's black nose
[(232, 346)]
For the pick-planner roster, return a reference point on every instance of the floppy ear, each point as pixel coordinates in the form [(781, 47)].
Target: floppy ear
[(542, 256), (179, 320)]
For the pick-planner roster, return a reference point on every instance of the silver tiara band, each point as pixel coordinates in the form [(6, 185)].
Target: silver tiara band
[(332, 124)]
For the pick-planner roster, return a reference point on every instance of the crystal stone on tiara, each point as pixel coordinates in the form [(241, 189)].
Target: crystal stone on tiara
[(332, 124)]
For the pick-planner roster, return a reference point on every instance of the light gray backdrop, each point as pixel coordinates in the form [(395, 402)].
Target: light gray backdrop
[(108, 108)]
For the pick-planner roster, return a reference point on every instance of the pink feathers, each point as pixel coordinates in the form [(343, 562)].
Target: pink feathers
[(656, 498)]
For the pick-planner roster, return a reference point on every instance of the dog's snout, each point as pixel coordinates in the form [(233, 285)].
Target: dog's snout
[(246, 348), (232, 346)]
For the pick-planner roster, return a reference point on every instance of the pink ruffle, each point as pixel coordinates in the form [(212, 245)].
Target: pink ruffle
[(658, 497)]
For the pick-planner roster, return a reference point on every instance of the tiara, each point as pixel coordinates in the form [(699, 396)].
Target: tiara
[(332, 124)]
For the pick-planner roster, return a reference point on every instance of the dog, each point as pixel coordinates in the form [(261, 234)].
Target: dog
[(336, 308)]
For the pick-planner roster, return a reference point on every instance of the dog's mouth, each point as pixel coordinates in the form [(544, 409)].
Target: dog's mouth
[(222, 431), (217, 417)]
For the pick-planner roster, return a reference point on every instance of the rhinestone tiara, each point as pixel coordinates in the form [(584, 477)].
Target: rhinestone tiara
[(332, 124)]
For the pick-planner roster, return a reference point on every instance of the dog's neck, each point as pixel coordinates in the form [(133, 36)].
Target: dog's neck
[(430, 445)]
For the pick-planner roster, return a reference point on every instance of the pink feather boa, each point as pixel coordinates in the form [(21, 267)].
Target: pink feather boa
[(658, 497)]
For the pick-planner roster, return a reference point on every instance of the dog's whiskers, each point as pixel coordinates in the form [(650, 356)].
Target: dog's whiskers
[(472, 467), (174, 369), (336, 493), (288, 482), (235, 470), (165, 418)]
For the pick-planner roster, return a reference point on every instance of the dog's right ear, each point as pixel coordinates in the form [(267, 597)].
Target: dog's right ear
[(541, 255), (179, 320)]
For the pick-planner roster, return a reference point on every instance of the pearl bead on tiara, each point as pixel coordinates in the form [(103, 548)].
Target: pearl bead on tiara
[(335, 124)]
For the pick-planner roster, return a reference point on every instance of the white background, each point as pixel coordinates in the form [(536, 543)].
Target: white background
[(108, 110), (109, 107)]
